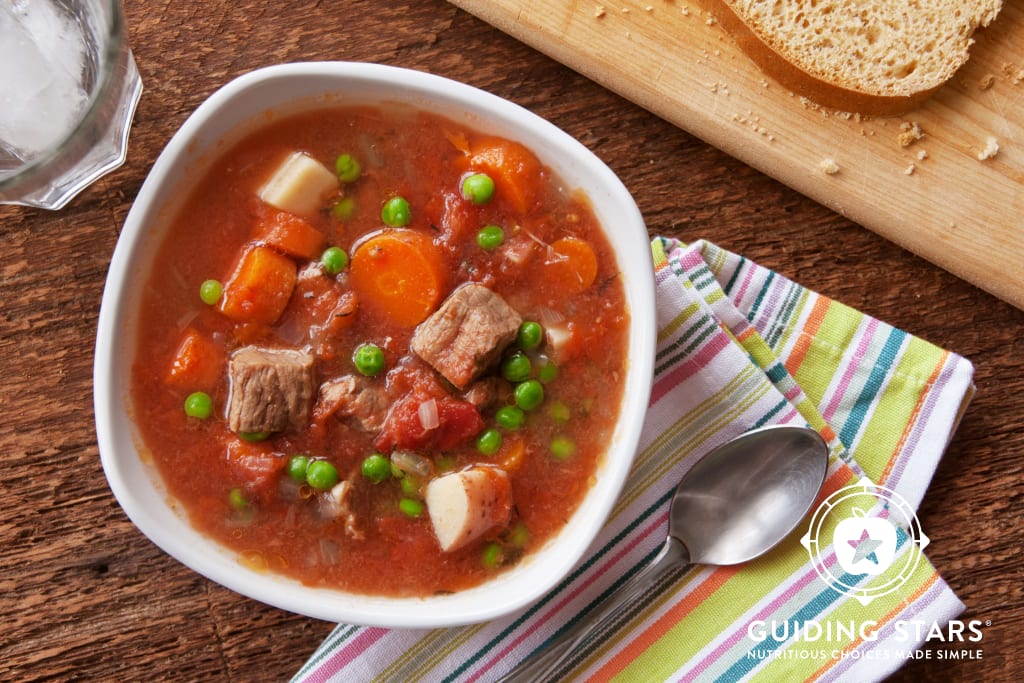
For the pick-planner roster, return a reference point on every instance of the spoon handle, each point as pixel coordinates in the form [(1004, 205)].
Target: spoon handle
[(534, 669)]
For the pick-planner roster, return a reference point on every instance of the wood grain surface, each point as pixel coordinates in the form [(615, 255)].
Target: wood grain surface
[(932, 195), (84, 596)]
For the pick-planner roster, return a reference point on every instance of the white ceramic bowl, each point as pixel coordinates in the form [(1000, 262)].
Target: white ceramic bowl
[(217, 123)]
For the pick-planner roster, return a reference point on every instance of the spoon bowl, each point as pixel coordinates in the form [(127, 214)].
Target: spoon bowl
[(744, 497), (736, 503)]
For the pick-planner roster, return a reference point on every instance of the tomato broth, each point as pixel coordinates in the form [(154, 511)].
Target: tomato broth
[(289, 487)]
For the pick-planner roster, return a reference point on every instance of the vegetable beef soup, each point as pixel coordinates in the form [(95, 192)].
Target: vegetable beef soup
[(380, 351)]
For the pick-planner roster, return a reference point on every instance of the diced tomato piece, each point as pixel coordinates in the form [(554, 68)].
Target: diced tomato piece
[(458, 218), (198, 362), (458, 421), (321, 304), (254, 465), (260, 287), (290, 234)]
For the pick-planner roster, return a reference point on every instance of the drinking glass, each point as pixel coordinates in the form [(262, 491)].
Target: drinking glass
[(68, 90)]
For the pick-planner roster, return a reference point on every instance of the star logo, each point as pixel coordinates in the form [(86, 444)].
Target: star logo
[(864, 547), (864, 541)]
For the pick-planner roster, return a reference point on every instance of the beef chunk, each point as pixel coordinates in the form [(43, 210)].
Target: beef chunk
[(354, 397), (467, 334), (488, 393), (271, 389)]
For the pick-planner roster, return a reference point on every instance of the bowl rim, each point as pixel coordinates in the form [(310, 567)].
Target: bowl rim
[(118, 441)]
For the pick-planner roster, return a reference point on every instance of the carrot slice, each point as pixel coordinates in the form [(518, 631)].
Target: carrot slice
[(510, 458), (260, 287), (197, 363), (571, 264), (288, 233), (398, 273), (513, 168)]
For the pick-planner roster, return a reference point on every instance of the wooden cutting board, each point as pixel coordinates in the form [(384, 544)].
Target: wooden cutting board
[(923, 180)]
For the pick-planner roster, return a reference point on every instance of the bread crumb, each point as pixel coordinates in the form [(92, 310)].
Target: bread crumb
[(829, 166), (711, 21), (922, 155), (991, 149), (1013, 72), (909, 170), (599, 11), (648, 8), (686, 11), (986, 82), (911, 133)]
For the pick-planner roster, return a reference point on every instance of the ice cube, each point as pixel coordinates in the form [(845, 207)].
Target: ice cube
[(43, 53)]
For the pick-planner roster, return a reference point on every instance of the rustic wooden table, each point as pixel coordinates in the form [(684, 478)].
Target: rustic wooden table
[(83, 595)]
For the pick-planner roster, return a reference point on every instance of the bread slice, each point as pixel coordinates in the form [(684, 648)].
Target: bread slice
[(879, 57)]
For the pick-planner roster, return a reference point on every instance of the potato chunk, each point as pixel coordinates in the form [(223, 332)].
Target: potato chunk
[(465, 505), (299, 185)]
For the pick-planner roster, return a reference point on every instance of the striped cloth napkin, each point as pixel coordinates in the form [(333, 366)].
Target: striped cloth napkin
[(739, 346)]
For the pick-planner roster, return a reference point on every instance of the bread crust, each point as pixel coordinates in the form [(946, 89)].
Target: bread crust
[(802, 82)]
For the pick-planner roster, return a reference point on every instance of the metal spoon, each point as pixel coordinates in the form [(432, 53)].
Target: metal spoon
[(734, 504)]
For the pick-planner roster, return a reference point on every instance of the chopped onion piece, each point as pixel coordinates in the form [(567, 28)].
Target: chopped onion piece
[(557, 336), (549, 317), (412, 463), (429, 418)]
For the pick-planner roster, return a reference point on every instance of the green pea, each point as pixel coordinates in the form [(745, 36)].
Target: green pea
[(254, 436), (548, 371), (376, 468), (237, 499), (530, 335), (396, 212), (210, 291), (410, 507), (491, 556), (410, 485), (519, 536), (344, 208), (489, 442), (199, 404), (490, 237), (368, 359), (563, 448), (478, 188), (334, 260), (516, 368), (559, 412), (510, 417), (529, 394), (321, 475), (297, 466), (348, 168)]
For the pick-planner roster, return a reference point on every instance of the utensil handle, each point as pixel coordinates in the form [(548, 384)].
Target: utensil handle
[(534, 669)]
